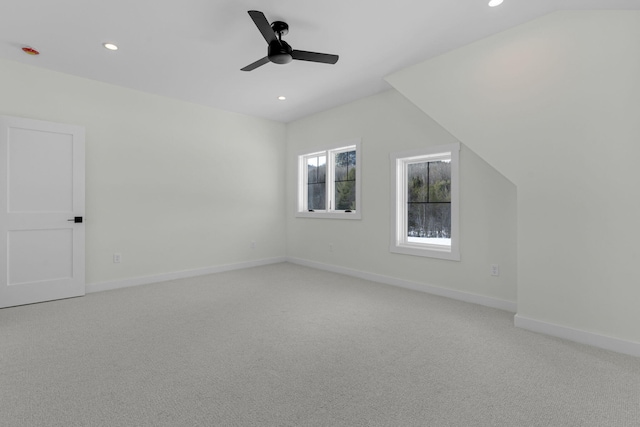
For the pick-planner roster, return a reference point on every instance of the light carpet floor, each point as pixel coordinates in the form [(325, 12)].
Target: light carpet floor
[(285, 345)]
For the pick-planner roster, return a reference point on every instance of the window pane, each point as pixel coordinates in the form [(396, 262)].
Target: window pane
[(312, 170), (322, 168), (341, 166), (440, 181), (429, 222), (346, 195), (316, 169), (345, 181), (417, 180), (316, 196), (429, 182), (316, 186), (345, 162)]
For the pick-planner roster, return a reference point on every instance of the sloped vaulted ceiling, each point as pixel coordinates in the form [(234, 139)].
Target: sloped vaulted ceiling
[(193, 49)]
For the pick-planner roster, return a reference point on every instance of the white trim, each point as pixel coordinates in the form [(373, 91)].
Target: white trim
[(398, 240), (145, 280), (576, 335), (422, 287), (330, 215), (596, 340), (435, 290), (301, 181)]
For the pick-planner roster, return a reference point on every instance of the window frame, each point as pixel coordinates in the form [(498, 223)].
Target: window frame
[(302, 182), (399, 188)]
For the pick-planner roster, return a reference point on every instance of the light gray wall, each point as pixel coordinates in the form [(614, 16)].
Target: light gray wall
[(554, 105), (387, 123), (172, 186)]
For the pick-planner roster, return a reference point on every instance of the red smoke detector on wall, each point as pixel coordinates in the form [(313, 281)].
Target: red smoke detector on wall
[(30, 50)]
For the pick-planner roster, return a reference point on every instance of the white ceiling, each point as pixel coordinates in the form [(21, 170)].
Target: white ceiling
[(193, 49)]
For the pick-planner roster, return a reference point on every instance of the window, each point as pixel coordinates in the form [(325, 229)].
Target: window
[(425, 202), (329, 183)]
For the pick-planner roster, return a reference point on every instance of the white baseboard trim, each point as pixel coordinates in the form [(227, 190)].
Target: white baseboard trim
[(596, 340), (136, 281), (435, 290), (608, 343)]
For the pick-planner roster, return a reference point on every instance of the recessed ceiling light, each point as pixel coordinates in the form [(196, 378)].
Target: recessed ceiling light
[(494, 3), (110, 46), (282, 98)]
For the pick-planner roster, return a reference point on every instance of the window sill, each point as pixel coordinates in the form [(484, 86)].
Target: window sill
[(329, 215), (429, 252)]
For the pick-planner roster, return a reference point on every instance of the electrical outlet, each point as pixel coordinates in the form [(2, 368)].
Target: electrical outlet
[(253, 245), (117, 258), (495, 270)]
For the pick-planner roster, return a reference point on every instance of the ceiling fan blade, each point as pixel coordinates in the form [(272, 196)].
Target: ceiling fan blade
[(303, 55), (256, 64), (263, 25)]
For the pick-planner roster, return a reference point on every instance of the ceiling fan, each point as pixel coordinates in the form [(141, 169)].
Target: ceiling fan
[(279, 51)]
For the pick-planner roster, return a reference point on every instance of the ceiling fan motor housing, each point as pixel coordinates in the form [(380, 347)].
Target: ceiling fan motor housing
[(280, 28), (279, 52)]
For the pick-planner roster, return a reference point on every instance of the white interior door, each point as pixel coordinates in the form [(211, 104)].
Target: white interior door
[(41, 200)]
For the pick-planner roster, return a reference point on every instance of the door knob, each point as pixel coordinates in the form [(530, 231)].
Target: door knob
[(76, 219)]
